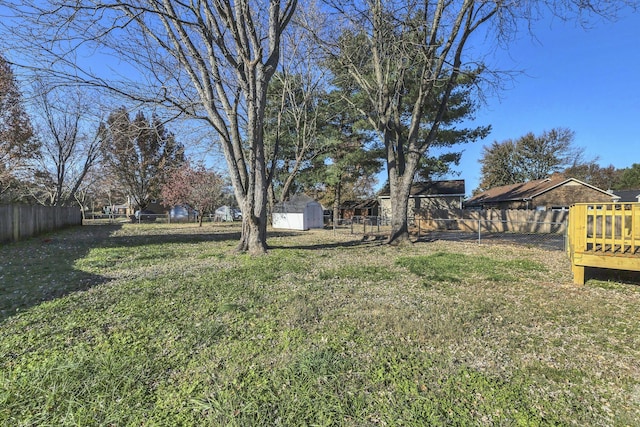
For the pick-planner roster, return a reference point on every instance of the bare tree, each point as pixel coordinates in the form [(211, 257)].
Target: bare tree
[(101, 188), (294, 114), (409, 60), (592, 173), (87, 194), (210, 60), (70, 144)]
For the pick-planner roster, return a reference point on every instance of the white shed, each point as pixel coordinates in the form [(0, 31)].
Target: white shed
[(300, 212), (223, 213)]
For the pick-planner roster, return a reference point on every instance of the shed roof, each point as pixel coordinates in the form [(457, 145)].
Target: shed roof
[(296, 204), (452, 187), (524, 191)]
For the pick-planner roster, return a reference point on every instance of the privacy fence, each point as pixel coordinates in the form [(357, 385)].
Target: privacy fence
[(19, 222), (495, 221)]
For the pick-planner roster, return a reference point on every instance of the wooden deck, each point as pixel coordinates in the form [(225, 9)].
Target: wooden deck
[(603, 235)]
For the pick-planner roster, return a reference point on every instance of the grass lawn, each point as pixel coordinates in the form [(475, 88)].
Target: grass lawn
[(164, 325)]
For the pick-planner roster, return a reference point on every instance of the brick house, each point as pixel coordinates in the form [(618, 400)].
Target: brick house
[(426, 196), (351, 208), (555, 193)]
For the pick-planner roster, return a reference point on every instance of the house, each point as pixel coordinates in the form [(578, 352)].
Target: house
[(425, 196), (554, 193), (114, 209), (300, 212), (627, 196), (155, 206), (351, 208)]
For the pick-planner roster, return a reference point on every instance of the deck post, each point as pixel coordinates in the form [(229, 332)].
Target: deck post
[(578, 274)]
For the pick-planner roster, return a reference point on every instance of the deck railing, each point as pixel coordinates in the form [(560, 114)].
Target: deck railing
[(604, 235)]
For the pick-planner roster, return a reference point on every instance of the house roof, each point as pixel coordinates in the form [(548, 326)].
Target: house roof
[(523, 191), (453, 187), (359, 204), (628, 195)]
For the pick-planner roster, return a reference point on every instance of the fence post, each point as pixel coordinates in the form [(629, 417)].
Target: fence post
[(478, 229), (16, 223)]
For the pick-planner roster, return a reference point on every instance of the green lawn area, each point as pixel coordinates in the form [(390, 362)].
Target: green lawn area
[(164, 325)]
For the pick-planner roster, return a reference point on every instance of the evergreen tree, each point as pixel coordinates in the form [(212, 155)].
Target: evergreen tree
[(351, 155), (629, 178)]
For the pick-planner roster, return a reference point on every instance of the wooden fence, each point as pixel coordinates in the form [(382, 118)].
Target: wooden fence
[(19, 222), (495, 221), (603, 235)]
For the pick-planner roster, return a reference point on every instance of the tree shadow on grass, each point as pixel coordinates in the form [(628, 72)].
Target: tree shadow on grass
[(181, 236), (371, 240), (42, 268), (168, 237)]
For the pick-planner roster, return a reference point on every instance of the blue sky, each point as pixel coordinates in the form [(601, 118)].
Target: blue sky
[(584, 80)]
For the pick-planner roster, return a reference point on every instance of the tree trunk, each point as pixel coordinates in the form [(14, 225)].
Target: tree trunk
[(254, 235), (401, 169), (336, 205), (399, 198), (254, 215)]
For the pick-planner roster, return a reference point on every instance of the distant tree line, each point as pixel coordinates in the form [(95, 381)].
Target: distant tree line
[(63, 155), (533, 157)]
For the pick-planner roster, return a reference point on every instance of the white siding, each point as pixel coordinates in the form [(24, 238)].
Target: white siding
[(292, 221), (313, 216)]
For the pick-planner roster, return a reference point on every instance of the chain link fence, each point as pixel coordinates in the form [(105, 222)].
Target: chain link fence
[(547, 235), (147, 218)]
